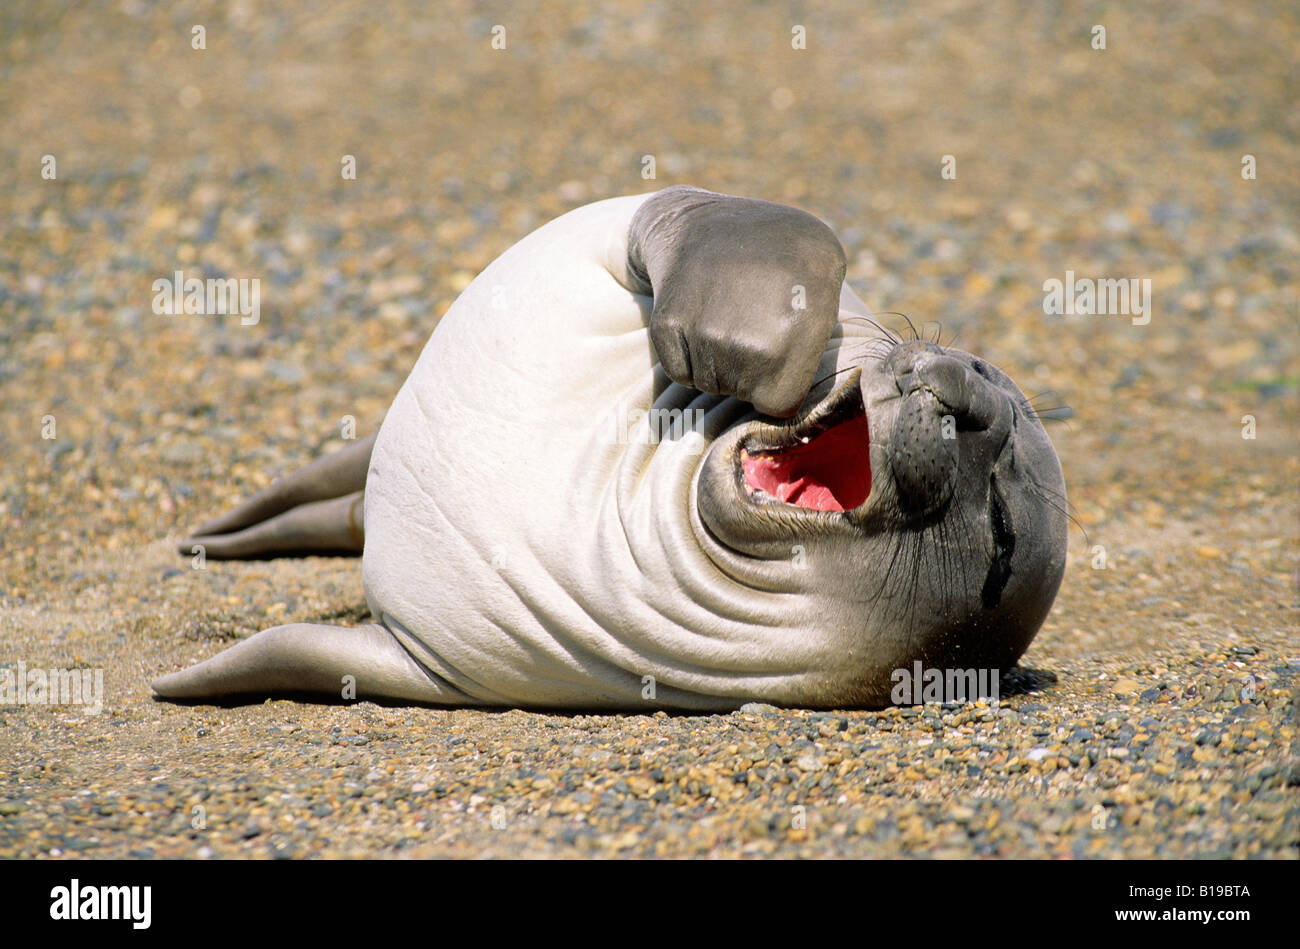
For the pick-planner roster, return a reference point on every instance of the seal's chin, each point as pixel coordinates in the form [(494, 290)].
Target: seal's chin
[(825, 466)]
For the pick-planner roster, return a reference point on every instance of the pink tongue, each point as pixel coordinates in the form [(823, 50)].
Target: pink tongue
[(766, 473), (819, 498)]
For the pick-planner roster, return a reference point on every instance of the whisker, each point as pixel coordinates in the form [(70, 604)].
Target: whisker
[(868, 321), (915, 334), (1059, 503), (1047, 396), (832, 375)]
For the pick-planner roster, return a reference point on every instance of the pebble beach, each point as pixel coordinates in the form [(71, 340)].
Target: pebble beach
[(965, 153)]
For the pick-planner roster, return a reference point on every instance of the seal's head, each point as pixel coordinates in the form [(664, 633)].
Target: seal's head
[(916, 497)]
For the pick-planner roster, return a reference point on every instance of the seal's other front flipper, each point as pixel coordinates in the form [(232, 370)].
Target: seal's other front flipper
[(362, 662)]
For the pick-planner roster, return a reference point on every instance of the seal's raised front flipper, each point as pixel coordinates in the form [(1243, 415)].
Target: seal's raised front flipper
[(313, 659), (316, 509), (746, 293)]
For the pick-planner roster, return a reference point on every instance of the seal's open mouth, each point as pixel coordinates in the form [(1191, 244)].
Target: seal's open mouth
[(827, 467)]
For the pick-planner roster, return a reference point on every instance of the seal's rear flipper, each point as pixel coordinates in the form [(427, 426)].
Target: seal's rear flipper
[(314, 510), (310, 658), (333, 526)]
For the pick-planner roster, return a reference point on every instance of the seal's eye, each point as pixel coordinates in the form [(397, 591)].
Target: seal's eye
[(981, 369)]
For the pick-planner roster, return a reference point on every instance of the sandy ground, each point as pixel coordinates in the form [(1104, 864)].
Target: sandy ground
[(1154, 715)]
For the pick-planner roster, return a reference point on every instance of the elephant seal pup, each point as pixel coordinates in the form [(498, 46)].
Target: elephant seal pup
[(585, 496)]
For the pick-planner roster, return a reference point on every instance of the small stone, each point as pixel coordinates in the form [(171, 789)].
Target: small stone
[(809, 762), (565, 805)]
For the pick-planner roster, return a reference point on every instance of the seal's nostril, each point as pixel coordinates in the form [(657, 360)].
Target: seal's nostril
[(941, 375)]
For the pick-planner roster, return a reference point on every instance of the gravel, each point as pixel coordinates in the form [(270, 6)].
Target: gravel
[(1153, 716)]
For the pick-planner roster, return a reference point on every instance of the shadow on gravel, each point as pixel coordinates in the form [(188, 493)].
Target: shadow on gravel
[(1022, 680)]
